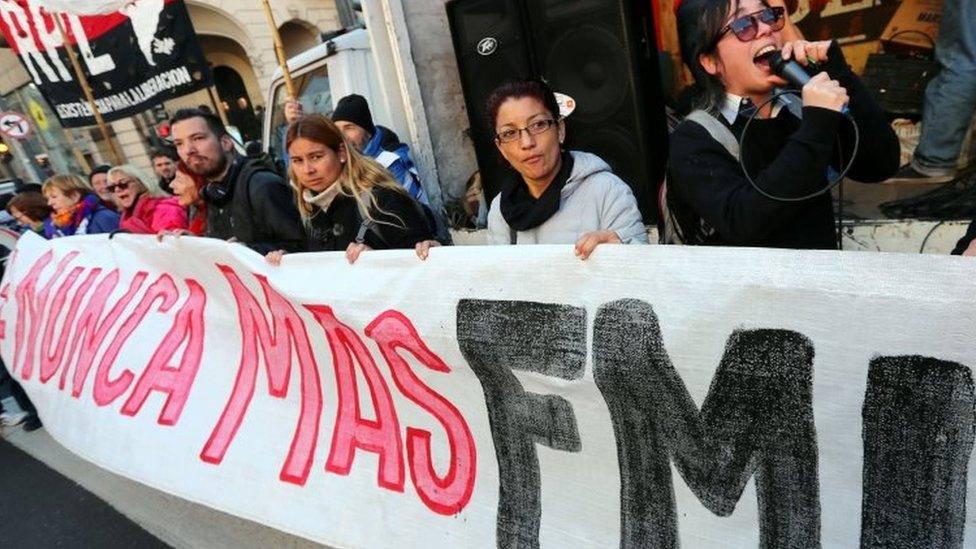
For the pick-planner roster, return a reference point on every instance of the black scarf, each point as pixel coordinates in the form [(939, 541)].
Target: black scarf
[(523, 212)]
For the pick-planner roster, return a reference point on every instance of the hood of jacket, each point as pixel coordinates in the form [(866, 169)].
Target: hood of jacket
[(585, 166)]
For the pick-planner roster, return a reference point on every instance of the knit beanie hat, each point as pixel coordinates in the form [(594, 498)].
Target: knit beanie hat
[(354, 108)]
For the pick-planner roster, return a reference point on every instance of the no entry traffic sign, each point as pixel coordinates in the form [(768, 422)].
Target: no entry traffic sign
[(15, 125)]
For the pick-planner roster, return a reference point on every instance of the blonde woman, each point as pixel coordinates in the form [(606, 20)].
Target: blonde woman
[(144, 207), (347, 201), (77, 209)]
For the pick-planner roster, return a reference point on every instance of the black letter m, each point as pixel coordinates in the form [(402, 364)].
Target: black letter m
[(757, 419)]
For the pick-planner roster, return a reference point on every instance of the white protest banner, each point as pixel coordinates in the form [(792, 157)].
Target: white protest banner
[(515, 396)]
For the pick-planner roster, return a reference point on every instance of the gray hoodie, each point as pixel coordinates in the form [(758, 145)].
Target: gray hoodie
[(593, 199)]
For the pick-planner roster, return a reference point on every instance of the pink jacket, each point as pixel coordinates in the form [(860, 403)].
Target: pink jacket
[(153, 214)]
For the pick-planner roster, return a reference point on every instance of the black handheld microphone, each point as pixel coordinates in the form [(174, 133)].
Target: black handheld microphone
[(791, 71)]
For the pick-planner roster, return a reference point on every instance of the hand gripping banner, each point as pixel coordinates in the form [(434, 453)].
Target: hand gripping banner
[(515, 396), (135, 53)]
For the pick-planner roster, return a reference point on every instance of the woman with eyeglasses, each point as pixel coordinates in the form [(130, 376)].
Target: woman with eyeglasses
[(791, 152), (145, 208), (552, 195), (77, 209), (347, 201)]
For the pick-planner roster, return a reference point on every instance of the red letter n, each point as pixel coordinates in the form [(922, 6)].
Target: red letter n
[(30, 308)]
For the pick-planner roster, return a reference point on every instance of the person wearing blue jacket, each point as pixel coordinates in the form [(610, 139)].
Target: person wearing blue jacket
[(353, 117), (77, 209)]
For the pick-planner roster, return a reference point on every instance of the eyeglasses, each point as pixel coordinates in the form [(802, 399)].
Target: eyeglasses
[(120, 186), (746, 28), (534, 128)]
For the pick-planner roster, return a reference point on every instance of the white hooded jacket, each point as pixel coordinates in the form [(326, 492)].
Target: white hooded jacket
[(593, 199)]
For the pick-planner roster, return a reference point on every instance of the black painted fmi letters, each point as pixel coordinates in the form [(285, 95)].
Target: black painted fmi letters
[(757, 419), (919, 426), (918, 429), (496, 338)]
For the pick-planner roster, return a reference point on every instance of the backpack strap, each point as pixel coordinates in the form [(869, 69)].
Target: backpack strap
[(366, 225), (719, 131), (672, 231)]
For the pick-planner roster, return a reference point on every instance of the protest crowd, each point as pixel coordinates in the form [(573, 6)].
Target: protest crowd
[(343, 182)]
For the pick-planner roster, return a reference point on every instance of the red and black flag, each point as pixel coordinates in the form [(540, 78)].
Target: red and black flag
[(135, 53)]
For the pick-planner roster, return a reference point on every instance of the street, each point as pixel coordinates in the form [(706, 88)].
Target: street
[(50, 497), (41, 508)]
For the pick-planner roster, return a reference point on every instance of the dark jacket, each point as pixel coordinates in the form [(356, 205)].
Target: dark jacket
[(786, 157), (399, 222), (255, 206), (164, 184), (102, 220)]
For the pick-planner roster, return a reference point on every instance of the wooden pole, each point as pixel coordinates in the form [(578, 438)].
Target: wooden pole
[(215, 99), (116, 156), (280, 51)]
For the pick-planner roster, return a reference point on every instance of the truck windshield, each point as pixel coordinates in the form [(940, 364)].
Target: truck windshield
[(313, 92)]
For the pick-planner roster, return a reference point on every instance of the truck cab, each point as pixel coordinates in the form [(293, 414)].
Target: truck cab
[(322, 75)]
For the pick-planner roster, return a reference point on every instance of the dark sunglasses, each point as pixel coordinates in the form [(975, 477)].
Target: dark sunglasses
[(746, 28), (120, 186)]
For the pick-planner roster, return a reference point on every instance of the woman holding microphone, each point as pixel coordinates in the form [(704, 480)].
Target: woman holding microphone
[(790, 154)]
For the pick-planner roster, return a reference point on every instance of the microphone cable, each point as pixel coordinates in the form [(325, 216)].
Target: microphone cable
[(745, 130)]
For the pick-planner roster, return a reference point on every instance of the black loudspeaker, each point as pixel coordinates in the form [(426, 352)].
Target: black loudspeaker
[(601, 53)]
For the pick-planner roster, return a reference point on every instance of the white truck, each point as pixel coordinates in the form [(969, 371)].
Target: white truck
[(338, 67), (322, 75)]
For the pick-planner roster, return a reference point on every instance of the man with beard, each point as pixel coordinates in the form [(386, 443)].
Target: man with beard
[(164, 166), (353, 117), (246, 201)]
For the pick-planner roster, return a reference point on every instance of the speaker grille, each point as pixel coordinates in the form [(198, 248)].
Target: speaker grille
[(599, 52), (586, 64)]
